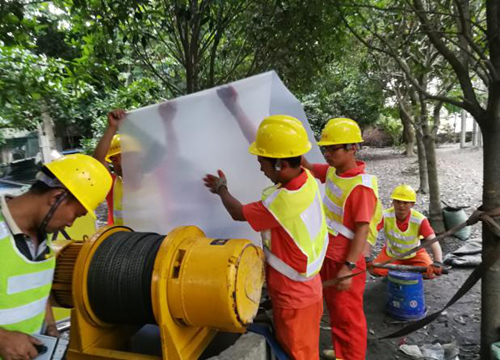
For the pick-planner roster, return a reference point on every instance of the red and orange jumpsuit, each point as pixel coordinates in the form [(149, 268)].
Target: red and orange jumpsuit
[(421, 258), (347, 317), (297, 306)]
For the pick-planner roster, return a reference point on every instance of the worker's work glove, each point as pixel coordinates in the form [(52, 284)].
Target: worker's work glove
[(215, 183), (433, 270)]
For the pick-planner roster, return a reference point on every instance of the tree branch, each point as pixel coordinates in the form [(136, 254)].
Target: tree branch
[(405, 68), (471, 102)]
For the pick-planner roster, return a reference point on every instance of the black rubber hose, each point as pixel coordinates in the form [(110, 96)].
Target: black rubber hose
[(119, 278)]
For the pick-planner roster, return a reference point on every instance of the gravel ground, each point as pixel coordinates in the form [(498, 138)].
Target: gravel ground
[(460, 176)]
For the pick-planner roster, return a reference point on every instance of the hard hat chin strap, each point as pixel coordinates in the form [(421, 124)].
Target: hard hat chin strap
[(41, 233)]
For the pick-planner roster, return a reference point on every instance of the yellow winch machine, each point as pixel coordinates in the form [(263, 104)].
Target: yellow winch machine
[(189, 285)]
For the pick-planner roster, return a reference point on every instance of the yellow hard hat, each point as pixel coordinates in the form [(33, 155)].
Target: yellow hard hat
[(404, 193), (280, 136), (115, 147), (84, 177), (132, 145), (340, 131)]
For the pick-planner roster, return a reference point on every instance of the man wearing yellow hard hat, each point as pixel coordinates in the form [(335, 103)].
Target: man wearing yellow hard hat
[(66, 189), (293, 228), (352, 210), (109, 151), (403, 228)]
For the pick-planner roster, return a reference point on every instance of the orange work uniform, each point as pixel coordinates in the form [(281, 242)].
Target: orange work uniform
[(297, 305), (347, 317), (110, 201), (421, 258)]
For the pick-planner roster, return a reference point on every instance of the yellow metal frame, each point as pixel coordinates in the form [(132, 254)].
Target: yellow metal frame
[(178, 342), (90, 337), (94, 339)]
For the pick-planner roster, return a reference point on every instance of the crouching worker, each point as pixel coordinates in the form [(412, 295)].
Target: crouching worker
[(293, 227), (403, 228), (65, 189)]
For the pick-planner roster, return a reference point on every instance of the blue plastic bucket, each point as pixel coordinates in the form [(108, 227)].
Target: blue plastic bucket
[(405, 295)]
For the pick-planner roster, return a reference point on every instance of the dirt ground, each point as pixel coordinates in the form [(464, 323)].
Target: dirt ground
[(460, 179)]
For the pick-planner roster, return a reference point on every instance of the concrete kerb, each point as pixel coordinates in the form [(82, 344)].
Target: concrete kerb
[(249, 346)]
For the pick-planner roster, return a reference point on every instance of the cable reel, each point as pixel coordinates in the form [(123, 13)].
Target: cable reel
[(189, 285)]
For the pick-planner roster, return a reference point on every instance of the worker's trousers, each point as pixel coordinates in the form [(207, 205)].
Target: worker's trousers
[(421, 258), (297, 330), (347, 317)]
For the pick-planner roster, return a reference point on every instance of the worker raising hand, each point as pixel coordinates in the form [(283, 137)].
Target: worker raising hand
[(115, 117), (292, 224), (214, 183)]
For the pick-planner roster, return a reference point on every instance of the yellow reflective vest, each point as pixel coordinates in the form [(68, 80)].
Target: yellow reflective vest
[(399, 242), (118, 201), (300, 213), (337, 190), (24, 286)]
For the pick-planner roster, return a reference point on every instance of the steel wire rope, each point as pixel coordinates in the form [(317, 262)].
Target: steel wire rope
[(120, 275)]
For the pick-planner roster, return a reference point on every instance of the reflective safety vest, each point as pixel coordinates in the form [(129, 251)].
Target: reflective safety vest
[(24, 286), (337, 190), (300, 213), (118, 201), (399, 241)]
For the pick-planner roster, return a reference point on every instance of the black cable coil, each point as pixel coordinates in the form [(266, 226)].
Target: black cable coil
[(119, 278)]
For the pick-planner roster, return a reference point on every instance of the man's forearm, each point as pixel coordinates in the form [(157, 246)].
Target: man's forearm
[(246, 126), (232, 205), (358, 243), (437, 252), (49, 314), (306, 164), (103, 146)]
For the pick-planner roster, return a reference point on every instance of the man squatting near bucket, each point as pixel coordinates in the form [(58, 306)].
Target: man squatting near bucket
[(352, 210), (403, 228), (294, 231)]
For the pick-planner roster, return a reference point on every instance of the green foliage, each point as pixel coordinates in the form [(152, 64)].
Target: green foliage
[(75, 60), (391, 126), (28, 83), (50, 62), (190, 45), (137, 94), (343, 90)]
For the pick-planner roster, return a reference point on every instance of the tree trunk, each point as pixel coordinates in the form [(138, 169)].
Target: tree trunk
[(435, 211), (46, 134), (429, 140), (189, 77), (474, 133), (422, 165), (463, 129), (490, 299), (408, 132), (479, 140), (418, 105)]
